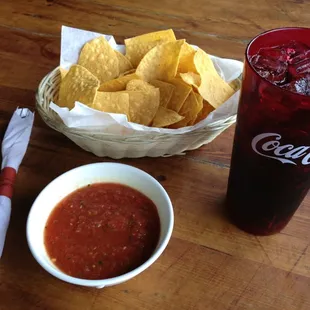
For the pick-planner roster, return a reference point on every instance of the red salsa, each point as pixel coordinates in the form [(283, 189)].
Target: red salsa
[(101, 231)]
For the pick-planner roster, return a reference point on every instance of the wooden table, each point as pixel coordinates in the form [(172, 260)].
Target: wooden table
[(208, 264)]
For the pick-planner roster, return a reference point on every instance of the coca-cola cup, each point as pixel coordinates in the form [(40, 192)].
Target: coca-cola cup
[(270, 164)]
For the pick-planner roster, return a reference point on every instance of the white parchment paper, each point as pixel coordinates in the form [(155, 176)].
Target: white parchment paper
[(83, 117)]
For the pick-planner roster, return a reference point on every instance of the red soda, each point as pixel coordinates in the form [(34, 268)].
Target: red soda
[(270, 164)]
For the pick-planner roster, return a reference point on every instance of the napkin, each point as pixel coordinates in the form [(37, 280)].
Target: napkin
[(14, 147)]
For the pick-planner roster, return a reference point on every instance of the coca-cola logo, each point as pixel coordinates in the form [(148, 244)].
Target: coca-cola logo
[(269, 145)]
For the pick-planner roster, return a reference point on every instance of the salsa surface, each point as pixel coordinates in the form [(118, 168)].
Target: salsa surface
[(101, 231)]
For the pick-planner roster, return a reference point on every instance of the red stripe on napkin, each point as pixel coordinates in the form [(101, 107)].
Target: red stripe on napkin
[(7, 178)]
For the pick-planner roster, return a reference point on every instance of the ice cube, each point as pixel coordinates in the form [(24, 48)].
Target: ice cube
[(275, 52), (295, 50), (300, 69), (299, 57), (283, 63), (300, 86), (272, 69)]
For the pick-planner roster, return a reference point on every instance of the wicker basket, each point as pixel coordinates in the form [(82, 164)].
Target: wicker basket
[(117, 146)]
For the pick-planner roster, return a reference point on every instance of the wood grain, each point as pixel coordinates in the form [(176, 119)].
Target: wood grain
[(209, 263)]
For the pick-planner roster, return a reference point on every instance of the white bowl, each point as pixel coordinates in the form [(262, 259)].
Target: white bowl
[(68, 182)]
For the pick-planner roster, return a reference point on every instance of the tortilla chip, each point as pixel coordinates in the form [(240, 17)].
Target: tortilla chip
[(124, 65), (138, 46), (112, 102), (142, 110), (191, 78), (206, 110), (199, 98), (100, 59), (180, 94), (200, 102), (191, 105), (143, 106), (127, 72), (166, 91), (189, 110), (212, 88), (186, 63), (78, 85), (165, 117), (63, 73), (161, 62), (117, 84), (139, 85)]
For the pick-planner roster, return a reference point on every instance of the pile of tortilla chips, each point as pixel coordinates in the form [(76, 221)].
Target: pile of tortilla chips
[(161, 81)]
